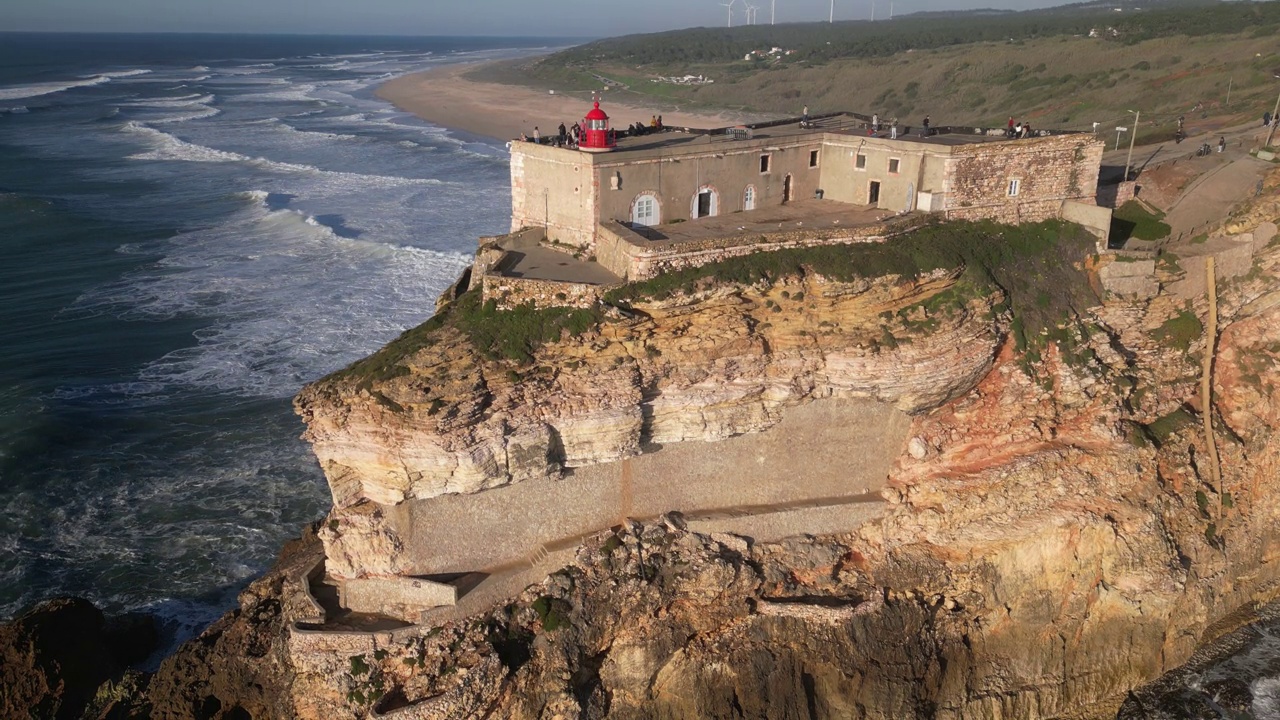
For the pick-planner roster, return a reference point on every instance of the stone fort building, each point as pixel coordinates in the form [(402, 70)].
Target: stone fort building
[(686, 175)]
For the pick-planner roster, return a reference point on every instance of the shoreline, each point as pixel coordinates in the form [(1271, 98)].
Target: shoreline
[(443, 96)]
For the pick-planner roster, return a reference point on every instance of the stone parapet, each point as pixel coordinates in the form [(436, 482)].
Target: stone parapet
[(632, 257), (512, 292)]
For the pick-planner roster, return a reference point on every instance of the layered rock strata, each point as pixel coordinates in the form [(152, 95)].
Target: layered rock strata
[(1055, 538), (707, 366)]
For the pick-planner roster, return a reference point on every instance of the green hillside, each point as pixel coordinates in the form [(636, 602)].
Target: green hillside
[(975, 68)]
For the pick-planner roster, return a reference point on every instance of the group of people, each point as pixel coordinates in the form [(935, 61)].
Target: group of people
[(1018, 130), (571, 136), (874, 129), (639, 128), (565, 137)]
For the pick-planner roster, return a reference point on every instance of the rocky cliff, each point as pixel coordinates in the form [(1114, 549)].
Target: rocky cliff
[(1055, 540), (1056, 533), (706, 365)]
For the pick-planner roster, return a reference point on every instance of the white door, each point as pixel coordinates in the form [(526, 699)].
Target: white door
[(645, 211), (749, 198)]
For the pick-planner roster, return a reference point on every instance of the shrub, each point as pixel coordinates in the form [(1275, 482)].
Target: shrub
[(1179, 331)]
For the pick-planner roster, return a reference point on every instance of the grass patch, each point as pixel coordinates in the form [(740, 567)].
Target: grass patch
[(1161, 429), (517, 334), (1179, 331), (508, 334), (1132, 220), (553, 613), (358, 665), (385, 364), (1034, 264), (1168, 262)]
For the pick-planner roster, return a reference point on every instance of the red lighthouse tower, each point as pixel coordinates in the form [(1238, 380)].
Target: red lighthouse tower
[(596, 135)]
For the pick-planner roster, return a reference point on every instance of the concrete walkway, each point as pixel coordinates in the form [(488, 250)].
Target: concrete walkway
[(1211, 197)]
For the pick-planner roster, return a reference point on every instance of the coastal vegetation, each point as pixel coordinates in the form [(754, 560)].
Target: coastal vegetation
[(1038, 269), (1170, 61)]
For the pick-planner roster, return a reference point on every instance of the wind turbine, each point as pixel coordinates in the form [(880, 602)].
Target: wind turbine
[(751, 14), (773, 12), (730, 5), (832, 17)]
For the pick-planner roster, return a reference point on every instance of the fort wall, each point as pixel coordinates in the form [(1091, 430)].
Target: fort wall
[(554, 188), (919, 168), (511, 292), (1021, 180), (632, 257), (723, 166)]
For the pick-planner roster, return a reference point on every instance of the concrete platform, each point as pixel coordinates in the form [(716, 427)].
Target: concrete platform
[(543, 263)]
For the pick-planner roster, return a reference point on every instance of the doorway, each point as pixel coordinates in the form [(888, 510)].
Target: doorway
[(786, 189), (704, 203), (873, 194)]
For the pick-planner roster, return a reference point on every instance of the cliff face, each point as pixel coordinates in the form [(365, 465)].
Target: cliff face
[(1054, 536), (1054, 542), (706, 366)]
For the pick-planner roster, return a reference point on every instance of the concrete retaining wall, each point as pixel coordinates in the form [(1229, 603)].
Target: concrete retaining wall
[(401, 597), (1126, 278), (829, 448), (1096, 219)]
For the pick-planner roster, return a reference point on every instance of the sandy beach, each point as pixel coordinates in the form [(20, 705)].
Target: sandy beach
[(445, 97)]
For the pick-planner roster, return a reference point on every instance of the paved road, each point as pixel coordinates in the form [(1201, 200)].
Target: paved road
[(1239, 138)]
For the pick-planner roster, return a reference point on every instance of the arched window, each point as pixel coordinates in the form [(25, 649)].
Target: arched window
[(705, 203), (749, 198), (645, 210)]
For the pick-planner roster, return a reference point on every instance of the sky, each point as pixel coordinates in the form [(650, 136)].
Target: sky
[(550, 18)]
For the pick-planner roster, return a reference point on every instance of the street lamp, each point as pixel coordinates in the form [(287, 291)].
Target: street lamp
[(1272, 131), (1128, 161)]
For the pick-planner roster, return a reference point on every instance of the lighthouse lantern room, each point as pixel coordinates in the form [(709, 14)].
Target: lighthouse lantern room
[(597, 137)]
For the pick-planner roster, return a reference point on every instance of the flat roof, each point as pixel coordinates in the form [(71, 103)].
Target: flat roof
[(543, 263), (851, 126), (657, 143)]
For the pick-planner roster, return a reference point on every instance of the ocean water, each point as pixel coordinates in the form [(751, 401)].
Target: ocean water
[(191, 227)]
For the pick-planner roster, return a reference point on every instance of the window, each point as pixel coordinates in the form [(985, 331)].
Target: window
[(813, 158), (749, 198), (860, 162), (894, 164), (764, 163), (644, 210), (1014, 186)]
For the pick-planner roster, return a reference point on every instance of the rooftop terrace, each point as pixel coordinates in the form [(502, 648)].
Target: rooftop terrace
[(852, 124)]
